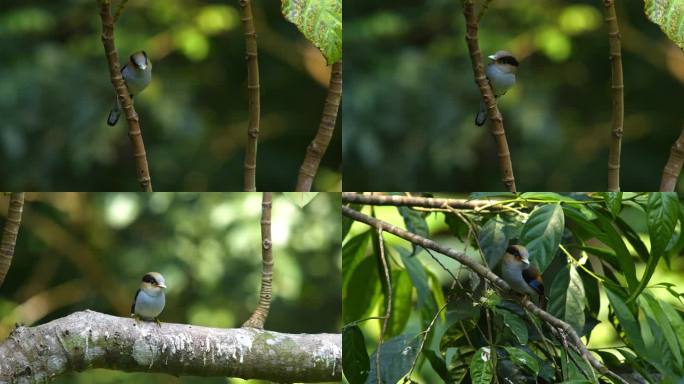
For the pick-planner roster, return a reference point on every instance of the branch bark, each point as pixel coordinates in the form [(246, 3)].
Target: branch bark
[(260, 314), (617, 86), (10, 232), (317, 148), (413, 201), (134, 132), (88, 339), (487, 274), (674, 165), (497, 127), (252, 94)]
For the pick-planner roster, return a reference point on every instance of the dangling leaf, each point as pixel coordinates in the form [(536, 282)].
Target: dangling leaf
[(321, 23), (669, 15)]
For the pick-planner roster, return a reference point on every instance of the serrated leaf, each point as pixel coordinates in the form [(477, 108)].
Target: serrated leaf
[(542, 233), (669, 15), (355, 362), (320, 21), (301, 198)]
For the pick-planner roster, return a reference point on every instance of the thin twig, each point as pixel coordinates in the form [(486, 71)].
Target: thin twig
[(260, 314), (618, 95), (487, 274), (134, 132), (388, 308), (413, 201), (674, 165), (253, 95), (497, 127), (483, 10), (10, 232), (317, 148), (122, 6)]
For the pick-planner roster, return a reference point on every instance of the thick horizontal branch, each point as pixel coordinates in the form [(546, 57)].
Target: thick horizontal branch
[(413, 201), (487, 274), (88, 339)]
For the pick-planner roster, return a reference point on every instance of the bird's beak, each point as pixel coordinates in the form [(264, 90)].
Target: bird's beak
[(526, 262), (492, 57), (143, 67), (161, 285)]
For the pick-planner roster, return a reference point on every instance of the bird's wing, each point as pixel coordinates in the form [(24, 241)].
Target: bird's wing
[(533, 279), (135, 298)]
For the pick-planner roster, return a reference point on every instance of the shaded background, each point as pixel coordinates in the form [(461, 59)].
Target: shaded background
[(55, 95), (90, 251), (410, 97)]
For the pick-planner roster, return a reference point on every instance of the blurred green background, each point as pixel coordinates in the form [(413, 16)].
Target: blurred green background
[(410, 97), (89, 251), (55, 94)]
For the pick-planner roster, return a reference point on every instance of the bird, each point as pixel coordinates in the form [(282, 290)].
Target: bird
[(501, 75), (149, 300), (137, 73), (520, 275)]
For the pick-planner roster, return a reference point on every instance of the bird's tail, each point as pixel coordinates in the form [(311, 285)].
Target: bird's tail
[(481, 117), (114, 113)]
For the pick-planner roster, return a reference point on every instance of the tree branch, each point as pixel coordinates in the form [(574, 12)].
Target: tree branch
[(252, 94), (485, 273), (674, 165), (413, 201), (317, 148), (88, 339), (10, 232), (497, 127), (618, 95), (134, 132), (260, 314)]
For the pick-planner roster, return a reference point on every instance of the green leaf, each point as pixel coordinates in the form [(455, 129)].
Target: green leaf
[(396, 357), (567, 298), (321, 23), (493, 240), (662, 214), (437, 364), (665, 327), (347, 222), (611, 237), (353, 251), (355, 363), (301, 198), (523, 359), (515, 324), (627, 321), (419, 278), (361, 289), (542, 233), (402, 290), (669, 15), (415, 223), (613, 202), (481, 366)]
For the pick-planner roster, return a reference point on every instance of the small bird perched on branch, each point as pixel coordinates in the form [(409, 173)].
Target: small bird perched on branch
[(137, 74), (501, 75), (149, 300), (520, 275)]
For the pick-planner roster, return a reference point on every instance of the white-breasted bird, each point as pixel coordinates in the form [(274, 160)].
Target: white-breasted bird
[(149, 300), (501, 75), (137, 73), (521, 275)]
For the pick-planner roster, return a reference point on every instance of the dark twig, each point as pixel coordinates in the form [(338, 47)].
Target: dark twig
[(388, 308), (260, 314), (10, 232), (317, 148), (253, 95), (674, 165), (617, 85)]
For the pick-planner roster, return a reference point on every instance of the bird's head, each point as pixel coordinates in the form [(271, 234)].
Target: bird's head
[(505, 60), (140, 61), (517, 255), (153, 282)]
